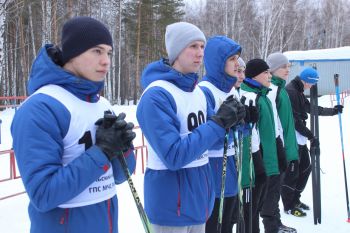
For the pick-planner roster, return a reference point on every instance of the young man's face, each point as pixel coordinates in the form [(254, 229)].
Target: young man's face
[(93, 64), (264, 78), (231, 65), (307, 85), (283, 71), (240, 76), (191, 58)]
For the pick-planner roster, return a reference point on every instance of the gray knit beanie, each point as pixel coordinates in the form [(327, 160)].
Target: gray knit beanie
[(178, 36), (241, 62), (276, 61)]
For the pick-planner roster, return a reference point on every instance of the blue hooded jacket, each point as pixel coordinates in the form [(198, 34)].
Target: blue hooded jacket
[(38, 129), (176, 196), (216, 53)]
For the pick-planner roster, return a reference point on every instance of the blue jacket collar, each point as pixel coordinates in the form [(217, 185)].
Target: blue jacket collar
[(161, 70)]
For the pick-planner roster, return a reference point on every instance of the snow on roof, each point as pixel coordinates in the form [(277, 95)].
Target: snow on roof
[(342, 53)]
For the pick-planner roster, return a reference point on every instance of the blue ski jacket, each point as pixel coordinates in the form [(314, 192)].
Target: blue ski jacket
[(38, 129), (217, 51), (175, 196)]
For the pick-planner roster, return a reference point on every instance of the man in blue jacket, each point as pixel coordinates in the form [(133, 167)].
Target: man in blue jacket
[(179, 126), (66, 151), (221, 64)]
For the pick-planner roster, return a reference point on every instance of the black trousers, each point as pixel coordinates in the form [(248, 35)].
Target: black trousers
[(270, 211), (228, 208), (295, 179), (257, 197)]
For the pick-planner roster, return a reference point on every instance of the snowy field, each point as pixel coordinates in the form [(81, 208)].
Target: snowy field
[(13, 211)]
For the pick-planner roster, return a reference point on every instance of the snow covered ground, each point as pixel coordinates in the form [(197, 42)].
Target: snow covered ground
[(13, 211)]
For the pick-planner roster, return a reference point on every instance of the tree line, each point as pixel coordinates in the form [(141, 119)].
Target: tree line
[(138, 28)]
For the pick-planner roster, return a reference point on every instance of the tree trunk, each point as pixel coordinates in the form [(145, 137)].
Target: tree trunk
[(137, 75)]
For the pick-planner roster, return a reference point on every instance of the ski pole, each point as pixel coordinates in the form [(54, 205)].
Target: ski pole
[(336, 82), (223, 180), (109, 119), (238, 151), (142, 213), (250, 179)]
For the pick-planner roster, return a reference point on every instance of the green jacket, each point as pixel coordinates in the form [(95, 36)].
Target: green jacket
[(266, 129), (245, 177), (285, 113)]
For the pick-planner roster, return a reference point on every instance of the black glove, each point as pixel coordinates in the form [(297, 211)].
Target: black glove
[(229, 113), (114, 135), (338, 109), (291, 174), (252, 112), (314, 142), (241, 112)]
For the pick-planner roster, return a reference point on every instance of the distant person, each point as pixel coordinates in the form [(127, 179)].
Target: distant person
[(295, 182), (65, 150), (180, 127), (240, 74)]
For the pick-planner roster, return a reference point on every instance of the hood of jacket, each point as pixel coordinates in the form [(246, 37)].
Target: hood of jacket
[(161, 70), (45, 71), (217, 51)]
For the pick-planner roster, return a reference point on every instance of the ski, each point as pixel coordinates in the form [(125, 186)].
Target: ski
[(223, 180), (336, 83), (315, 156)]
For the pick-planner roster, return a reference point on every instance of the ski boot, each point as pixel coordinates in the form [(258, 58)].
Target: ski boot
[(296, 212), (284, 229), (302, 206)]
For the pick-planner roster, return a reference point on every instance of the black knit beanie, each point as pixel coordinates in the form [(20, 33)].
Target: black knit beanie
[(82, 33), (255, 67)]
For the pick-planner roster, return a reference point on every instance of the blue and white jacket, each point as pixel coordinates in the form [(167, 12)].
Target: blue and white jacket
[(178, 185), (69, 180), (217, 86)]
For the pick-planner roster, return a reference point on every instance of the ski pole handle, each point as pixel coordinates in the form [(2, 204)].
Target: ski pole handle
[(337, 92), (336, 80)]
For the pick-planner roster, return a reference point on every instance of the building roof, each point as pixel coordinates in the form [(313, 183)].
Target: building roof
[(334, 54)]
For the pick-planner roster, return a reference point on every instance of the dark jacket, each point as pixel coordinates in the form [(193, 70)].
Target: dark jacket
[(301, 106)]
